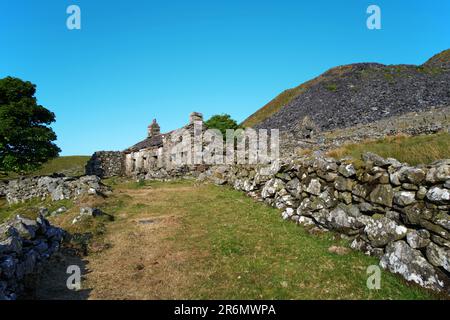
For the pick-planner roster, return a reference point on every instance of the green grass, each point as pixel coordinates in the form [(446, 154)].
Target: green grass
[(331, 87), (71, 166), (30, 209), (234, 247), (413, 150), (248, 252)]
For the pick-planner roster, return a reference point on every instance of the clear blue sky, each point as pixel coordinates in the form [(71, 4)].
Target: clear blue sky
[(136, 60)]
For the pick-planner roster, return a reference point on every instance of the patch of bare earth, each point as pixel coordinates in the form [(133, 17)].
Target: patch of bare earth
[(141, 261)]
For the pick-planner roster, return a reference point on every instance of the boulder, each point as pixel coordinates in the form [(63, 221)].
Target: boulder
[(343, 184), (325, 164), (439, 172), (413, 175), (438, 195), (382, 231), (418, 239), (382, 194), (410, 263), (12, 244), (306, 221), (58, 211), (271, 187), (314, 187), (347, 170), (407, 174), (294, 187), (442, 232), (438, 256), (404, 198), (440, 241), (447, 184), (360, 190), (421, 193), (26, 228), (288, 213), (337, 220), (416, 212), (442, 219), (376, 159)]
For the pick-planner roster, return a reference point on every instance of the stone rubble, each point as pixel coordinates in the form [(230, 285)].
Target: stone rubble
[(25, 245), (54, 187)]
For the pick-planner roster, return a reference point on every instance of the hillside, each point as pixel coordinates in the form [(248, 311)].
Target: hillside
[(357, 94), (69, 166)]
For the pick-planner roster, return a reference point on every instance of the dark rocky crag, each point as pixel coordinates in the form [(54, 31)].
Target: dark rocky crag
[(362, 93)]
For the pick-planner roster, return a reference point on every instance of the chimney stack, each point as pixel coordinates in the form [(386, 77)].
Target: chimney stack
[(195, 116), (154, 129)]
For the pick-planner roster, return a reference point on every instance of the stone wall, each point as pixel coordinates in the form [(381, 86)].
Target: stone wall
[(106, 164), (159, 160), (25, 245), (3, 187), (54, 187), (390, 210)]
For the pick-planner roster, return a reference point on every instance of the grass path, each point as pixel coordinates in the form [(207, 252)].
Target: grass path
[(189, 241)]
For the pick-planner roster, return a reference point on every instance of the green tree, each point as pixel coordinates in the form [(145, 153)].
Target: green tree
[(26, 141), (222, 122)]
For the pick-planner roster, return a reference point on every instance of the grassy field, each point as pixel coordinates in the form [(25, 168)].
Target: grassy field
[(413, 150), (192, 241), (69, 165)]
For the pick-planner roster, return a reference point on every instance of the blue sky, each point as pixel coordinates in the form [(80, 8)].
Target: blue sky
[(136, 60)]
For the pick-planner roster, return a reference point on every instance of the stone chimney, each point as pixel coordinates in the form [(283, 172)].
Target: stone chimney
[(154, 129), (195, 116)]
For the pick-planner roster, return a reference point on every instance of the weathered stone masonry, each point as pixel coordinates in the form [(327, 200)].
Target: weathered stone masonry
[(387, 209), (54, 187), (151, 158), (106, 164), (25, 245), (390, 210)]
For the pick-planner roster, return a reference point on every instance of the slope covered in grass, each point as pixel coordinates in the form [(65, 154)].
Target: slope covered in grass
[(413, 150), (69, 165), (184, 240)]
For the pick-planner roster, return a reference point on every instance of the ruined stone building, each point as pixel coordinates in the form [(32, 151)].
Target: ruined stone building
[(150, 158)]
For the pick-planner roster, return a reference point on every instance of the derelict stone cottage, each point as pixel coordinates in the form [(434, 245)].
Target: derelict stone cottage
[(149, 158)]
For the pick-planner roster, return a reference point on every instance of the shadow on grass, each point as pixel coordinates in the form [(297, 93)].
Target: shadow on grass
[(51, 284)]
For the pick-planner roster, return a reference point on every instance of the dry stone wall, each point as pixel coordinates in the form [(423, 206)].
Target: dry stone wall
[(106, 164), (387, 209), (25, 245), (54, 187)]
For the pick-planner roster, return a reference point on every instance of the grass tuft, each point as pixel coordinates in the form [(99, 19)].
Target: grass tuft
[(415, 150)]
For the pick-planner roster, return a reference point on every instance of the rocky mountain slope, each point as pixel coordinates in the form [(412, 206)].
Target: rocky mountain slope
[(358, 94)]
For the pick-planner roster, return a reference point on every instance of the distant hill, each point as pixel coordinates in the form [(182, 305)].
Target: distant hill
[(70, 166), (357, 94)]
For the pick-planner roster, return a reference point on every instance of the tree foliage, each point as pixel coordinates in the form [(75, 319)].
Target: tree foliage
[(222, 122), (26, 141)]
